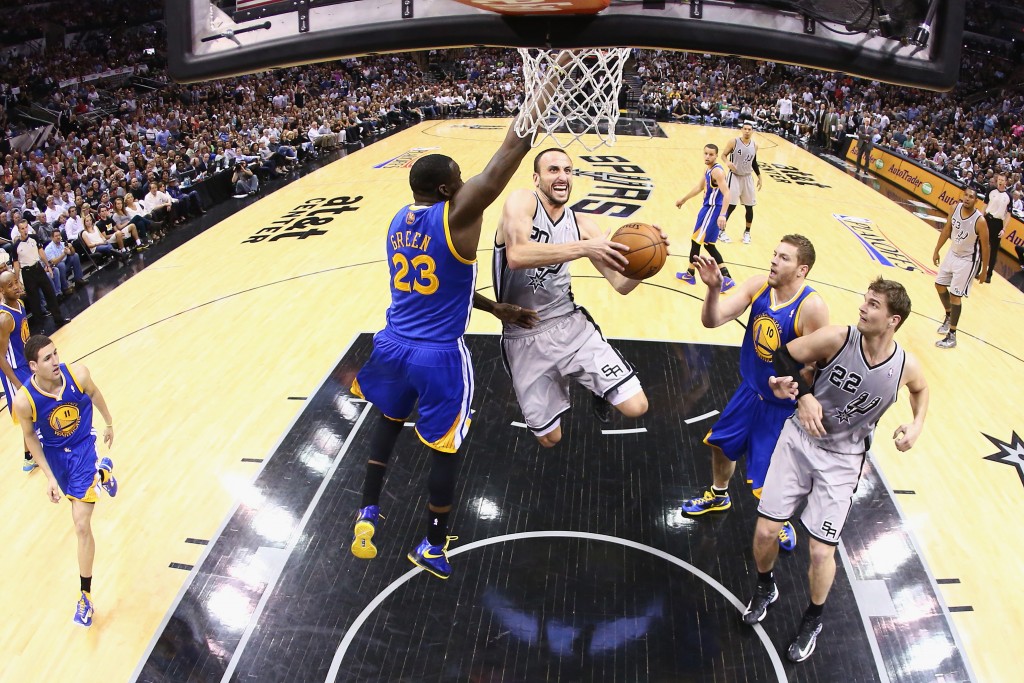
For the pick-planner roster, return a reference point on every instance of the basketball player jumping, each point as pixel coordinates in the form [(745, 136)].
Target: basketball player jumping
[(822, 448), (740, 157), (968, 231), (420, 355), (536, 238), (782, 307), (710, 219), (54, 409)]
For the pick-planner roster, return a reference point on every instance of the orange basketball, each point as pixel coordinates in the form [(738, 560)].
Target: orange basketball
[(647, 251)]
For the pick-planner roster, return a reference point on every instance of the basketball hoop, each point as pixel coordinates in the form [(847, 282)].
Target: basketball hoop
[(585, 102)]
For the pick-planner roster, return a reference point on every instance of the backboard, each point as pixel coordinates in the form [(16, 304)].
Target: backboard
[(910, 42)]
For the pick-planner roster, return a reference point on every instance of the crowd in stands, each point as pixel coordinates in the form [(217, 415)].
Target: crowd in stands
[(116, 172)]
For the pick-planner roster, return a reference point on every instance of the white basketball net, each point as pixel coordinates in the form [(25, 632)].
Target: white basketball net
[(585, 102)]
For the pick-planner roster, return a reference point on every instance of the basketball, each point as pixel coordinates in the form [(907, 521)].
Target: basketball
[(646, 253)]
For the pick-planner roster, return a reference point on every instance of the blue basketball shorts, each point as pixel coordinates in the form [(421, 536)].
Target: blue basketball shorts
[(74, 468), (401, 372), (750, 426), (706, 230)]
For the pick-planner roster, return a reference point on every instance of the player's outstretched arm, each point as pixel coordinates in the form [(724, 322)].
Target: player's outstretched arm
[(606, 255), (507, 313), (81, 373), (481, 190), (906, 435), (819, 346), (697, 189), (718, 310)]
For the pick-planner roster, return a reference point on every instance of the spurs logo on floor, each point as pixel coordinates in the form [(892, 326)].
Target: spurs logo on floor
[(623, 189), (781, 173), (305, 220), (879, 247), (1011, 453)]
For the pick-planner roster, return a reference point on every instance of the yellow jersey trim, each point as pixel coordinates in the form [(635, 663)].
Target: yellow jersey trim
[(797, 326), (31, 404), (760, 291), (451, 244), (446, 444), (775, 305), (356, 391), (78, 385), (57, 397)]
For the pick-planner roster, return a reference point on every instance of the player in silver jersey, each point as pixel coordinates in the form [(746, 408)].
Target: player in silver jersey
[(821, 450), (536, 239), (740, 157), (968, 231)]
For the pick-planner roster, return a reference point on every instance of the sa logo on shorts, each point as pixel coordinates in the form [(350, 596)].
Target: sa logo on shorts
[(767, 336), (64, 419)]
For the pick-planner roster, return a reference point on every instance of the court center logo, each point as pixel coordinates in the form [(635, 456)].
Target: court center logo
[(64, 419), (878, 245), (1011, 453), (767, 336), (406, 159)]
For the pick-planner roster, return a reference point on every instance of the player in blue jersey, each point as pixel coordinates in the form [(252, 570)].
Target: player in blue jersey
[(710, 219), (420, 358), (54, 409), (14, 333), (782, 307)]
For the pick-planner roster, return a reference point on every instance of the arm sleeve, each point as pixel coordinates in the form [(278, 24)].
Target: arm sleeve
[(757, 169), (787, 366)]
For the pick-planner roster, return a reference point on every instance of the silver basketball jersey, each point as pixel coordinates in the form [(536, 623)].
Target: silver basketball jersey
[(964, 232), (853, 396), (547, 289), (743, 156)]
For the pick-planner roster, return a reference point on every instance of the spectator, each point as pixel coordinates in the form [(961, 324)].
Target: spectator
[(62, 256)]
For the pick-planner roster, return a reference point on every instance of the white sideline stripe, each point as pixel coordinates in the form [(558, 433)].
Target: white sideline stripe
[(346, 641), (409, 424), (638, 430), (519, 424), (292, 542), (701, 417), (876, 652)]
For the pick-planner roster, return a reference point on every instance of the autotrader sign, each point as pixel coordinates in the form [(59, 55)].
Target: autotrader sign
[(932, 188)]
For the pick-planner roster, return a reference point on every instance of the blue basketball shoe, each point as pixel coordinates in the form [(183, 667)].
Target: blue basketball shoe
[(433, 558), (30, 464), (727, 284), (688, 278), (362, 537), (787, 537), (709, 502), (84, 610), (108, 483)]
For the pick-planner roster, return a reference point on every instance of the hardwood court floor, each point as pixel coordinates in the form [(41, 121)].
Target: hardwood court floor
[(203, 354)]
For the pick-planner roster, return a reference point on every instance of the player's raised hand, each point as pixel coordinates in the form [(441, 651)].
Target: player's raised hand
[(709, 272), (905, 436), (604, 250), (809, 412), (783, 387)]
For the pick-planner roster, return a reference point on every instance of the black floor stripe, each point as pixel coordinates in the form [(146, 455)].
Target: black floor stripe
[(197, 541), (179, 565), (905, 492), (297, 398), (961, 608), (944, 581), (252, 459)]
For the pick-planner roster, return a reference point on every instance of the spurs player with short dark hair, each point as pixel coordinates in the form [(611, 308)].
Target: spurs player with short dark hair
[(536, 239), (740, 157), (821, 451), (967, 230)]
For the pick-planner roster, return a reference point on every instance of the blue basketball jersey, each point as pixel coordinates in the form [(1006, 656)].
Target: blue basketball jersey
[(712, 193), (63, 421), (16, 348), (771, 325), (431, 285)]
